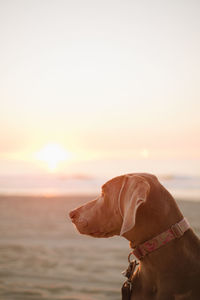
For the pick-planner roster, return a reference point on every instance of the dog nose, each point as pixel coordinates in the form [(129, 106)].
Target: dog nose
[(73, 214), (76, 218)]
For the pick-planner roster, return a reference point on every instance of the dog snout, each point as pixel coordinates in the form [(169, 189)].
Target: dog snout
[(77, 219), (73, 214)]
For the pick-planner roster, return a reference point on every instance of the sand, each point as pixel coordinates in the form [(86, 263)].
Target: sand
[(43, 257)]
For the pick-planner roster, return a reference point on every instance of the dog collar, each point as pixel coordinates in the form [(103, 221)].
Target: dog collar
[(174, 232)]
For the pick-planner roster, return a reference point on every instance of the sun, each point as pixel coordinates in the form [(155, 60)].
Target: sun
[(52, 154)]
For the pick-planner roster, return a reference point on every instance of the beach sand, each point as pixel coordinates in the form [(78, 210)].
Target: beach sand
[(42, 256)]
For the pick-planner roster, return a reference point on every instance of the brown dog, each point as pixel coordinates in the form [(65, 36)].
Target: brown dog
[(139, 208)]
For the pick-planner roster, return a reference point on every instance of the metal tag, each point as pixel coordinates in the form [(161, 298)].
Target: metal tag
[(131, 269)]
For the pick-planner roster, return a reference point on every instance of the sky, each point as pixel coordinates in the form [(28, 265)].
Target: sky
[(106, 82)]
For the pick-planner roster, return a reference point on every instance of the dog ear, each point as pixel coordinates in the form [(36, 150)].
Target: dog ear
[(133, 193)]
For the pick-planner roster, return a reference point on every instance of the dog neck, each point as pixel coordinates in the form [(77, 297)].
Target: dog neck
[(158, 271), (166, 257), (171, 261), (176, 231)]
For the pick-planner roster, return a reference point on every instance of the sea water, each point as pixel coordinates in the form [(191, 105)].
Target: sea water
[(184, 187)]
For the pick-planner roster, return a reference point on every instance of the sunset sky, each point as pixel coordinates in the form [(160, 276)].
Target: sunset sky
[(96, 81)]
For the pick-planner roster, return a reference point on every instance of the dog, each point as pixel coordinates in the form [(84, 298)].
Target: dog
[(137, 207)]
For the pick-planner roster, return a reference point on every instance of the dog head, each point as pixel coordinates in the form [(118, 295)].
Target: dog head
[(114, 211)]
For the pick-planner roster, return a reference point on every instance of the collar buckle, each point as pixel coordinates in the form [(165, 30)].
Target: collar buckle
[(177, 231)]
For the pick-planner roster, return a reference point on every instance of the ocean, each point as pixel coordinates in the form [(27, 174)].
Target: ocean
[(42, 256), (184, 186)]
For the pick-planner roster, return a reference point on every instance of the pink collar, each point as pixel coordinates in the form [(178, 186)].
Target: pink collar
[(175, 231)]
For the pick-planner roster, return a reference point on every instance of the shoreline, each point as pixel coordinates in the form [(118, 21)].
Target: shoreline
[(83, 195)]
